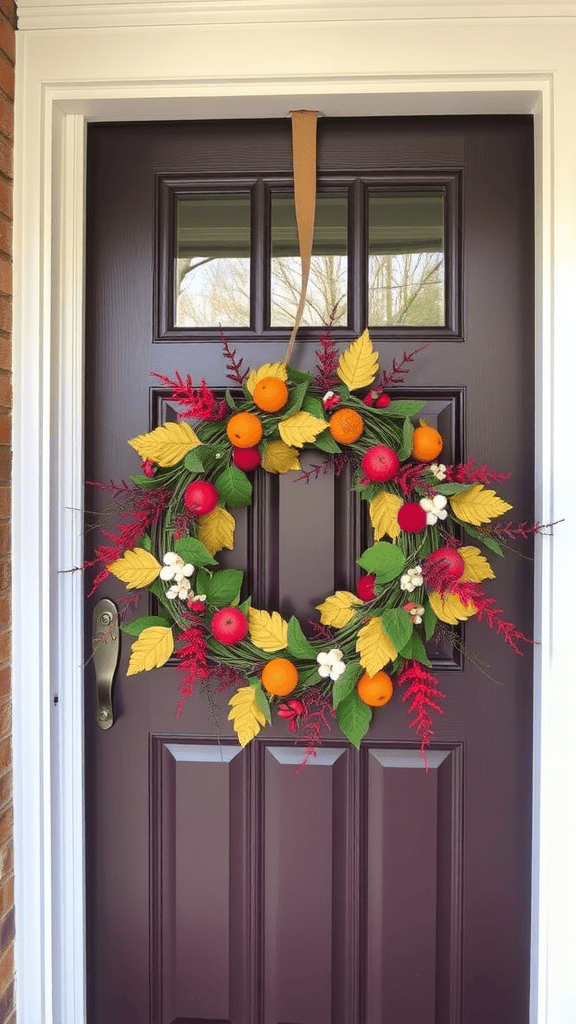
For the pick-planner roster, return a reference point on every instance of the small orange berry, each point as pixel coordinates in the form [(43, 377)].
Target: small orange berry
[(244, 430), (279, 677), (426, 443), (270, 394), (375, 690), (346, 426)]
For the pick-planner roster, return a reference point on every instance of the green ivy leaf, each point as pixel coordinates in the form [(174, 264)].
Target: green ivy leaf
[(298, 376), (345, 683), (234, 488), (193, 463), (145, 482), (314, 407), (298, 645), (223, 588), (326, 443), (260, 699), (484, 538), (192, 550), (429, 620), (135, 627), (398, 625), (354, 717), (415, 649), (229, 400), (297, 395), (406, 447), (450, 488), (402, 408), (386, 560)]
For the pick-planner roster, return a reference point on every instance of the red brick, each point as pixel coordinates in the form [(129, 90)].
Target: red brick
[(5, 580), (6, 77), (6, 861), (5, 465), (5, 614), (5, 760), (5, 428), (5, 651), (5, 717), (5, 391), (5, 313), (6, 968), (6, 360), (5, 276), (7, 1012), (5, 681), (6, 895), (8, 8), (5, 788), (6, 821), (6, 197), (4, 541), (7, 117), (5, 236), (6, 158), (7, 39), (5, 497)]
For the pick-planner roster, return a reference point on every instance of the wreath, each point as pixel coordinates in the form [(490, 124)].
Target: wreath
[(417, 578)]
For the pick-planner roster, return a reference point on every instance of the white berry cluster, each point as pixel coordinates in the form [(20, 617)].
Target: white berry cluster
[(412, 579), (438, 469), (330, 664), (435, 508), (176, 569), (416, 612)]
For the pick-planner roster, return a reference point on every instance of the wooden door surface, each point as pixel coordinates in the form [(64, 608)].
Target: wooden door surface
[(222, 884)]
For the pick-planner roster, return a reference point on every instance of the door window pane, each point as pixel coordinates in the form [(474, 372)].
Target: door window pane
[(327, 296), (406, 259), (212, 263)]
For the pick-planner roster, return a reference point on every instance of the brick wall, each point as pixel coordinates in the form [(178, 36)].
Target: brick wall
[(7, 25)]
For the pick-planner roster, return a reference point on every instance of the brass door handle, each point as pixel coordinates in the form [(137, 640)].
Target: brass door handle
[(105, 652)]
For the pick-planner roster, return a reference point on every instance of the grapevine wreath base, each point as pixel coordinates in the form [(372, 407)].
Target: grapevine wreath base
[(416, 578)]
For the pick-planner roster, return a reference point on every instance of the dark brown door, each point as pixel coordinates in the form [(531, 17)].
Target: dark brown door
[(223, 885)]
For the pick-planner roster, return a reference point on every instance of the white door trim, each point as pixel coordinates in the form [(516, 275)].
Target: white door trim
[(66, 79)]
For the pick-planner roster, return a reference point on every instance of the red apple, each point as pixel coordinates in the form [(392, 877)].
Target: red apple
[(380, 463), (229, 625), (246, 458), (200, 497)]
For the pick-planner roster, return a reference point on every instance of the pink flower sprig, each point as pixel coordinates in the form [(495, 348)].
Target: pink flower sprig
[(523, 530), (234, 365), (398, 372), (327, 356), (423, 693), (199, 401), (469, 473), (335, 462), (192, 655), (409, 476), (317, 712), (472, 593)]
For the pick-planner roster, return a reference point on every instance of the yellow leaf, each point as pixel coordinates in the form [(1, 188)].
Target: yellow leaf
[(374, 646), (478, 505), (338, 610), (384, 515), (358, 364), (450, 608), (166, 445), (477, 567), (216, 530), (245, 715), (151, 650), (279, 457), (268, 631), (300, 428), (137, 568), (267, 370)]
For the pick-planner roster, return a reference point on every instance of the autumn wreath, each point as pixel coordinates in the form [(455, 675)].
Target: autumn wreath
[(417, 576)]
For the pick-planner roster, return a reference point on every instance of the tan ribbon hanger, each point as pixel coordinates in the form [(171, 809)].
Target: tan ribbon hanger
[(304, 163)]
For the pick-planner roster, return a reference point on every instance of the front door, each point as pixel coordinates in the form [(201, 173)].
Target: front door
[(224, 884)]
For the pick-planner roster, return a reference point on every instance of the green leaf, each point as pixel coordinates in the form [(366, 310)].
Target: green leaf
[(224, 587), (159, 592), (345, 683), (192, 463), (206, 454), (429, 620), (234, 488), (450, 488), (145, 542), (145, 482), (415, 649), (260, 699), (192, 550), (298, 645), (386, 560), (202, 582), (402, 408), (326, 443), (298, 376), (294, 403), (484, 538), (245, 606), (354, 717), (229, 400), (406, 446), (309, 677), (398, 625), (313, 406), (135, 627)]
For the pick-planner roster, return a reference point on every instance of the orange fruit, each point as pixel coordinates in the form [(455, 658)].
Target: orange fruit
[(375, 690), (346, 426), (244, 430), (426, 443), (270, 394), (279, 677)]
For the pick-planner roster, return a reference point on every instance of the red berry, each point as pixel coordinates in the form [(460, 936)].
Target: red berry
[(370, 398), (365, 587), (382, 401), (246, 458), (200, 497), (229, 625), (411, 517), (380, 463), (199, 607), (148, 468)]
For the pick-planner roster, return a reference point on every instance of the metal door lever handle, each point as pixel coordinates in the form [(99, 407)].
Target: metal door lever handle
[(105, 652)]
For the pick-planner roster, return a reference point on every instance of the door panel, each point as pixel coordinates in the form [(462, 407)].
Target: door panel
[(224, 885)]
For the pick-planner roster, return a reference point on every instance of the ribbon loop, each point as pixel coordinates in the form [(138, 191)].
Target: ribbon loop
[(304, 124)]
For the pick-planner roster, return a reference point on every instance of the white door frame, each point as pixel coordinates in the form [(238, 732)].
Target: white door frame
[(82, 63)]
